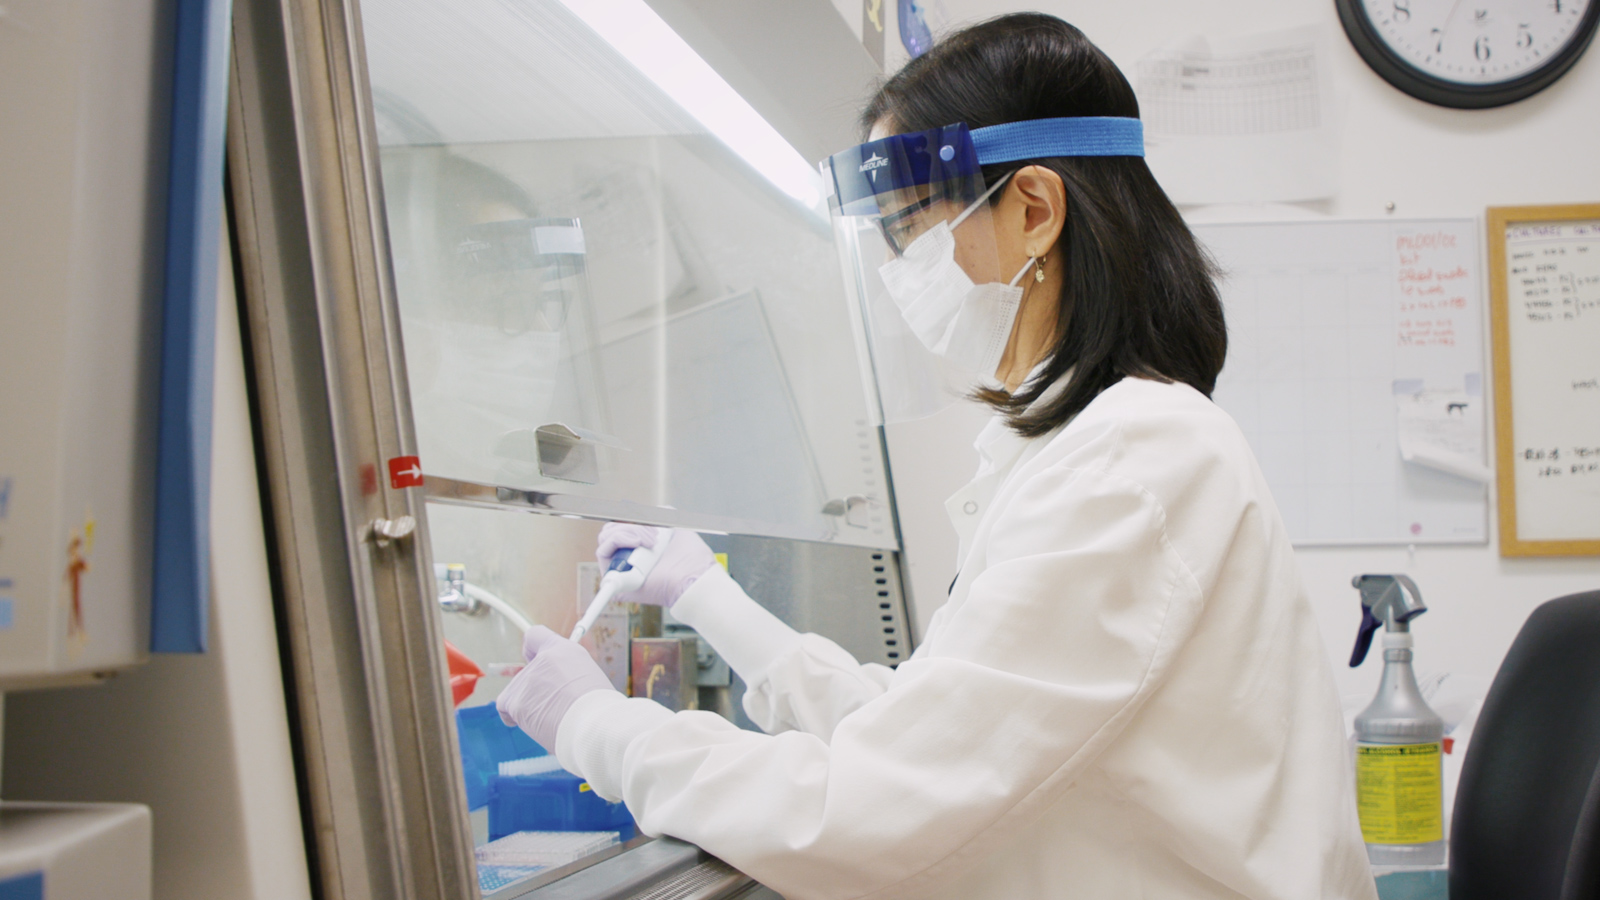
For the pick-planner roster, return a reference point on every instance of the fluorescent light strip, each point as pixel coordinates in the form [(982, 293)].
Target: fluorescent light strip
[(633, 29)]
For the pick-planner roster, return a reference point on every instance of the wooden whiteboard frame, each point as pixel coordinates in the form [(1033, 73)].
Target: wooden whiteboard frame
[(1499, 217)]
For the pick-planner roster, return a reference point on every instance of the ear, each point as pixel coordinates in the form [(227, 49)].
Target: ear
[(1040, 201)]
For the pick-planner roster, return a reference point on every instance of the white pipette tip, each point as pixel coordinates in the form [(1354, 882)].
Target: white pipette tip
[(608, 589)]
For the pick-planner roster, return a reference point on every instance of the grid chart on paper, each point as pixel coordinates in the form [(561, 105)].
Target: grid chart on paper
[(1255, 93)]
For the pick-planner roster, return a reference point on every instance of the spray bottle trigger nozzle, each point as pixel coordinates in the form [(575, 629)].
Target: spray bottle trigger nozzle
[(1369, 626)]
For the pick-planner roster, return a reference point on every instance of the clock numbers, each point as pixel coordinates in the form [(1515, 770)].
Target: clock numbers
[(1469, 54), (1479, 42)]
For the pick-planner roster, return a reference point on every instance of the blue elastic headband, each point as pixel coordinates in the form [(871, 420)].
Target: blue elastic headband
[(953, 155), (1045, 138)]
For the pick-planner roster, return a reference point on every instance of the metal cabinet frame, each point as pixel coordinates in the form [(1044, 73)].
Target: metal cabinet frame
[(384, 805), (386, 809)]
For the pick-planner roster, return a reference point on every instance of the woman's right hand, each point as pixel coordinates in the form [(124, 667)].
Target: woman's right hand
[(685, 558)]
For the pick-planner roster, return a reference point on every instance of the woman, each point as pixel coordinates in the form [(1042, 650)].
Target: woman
[(1125, 694)]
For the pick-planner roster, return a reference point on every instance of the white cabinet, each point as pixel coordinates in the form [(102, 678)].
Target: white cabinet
[(74, 851), (80, 282)]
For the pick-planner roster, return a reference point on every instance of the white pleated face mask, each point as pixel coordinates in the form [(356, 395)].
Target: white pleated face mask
[(965, 323)]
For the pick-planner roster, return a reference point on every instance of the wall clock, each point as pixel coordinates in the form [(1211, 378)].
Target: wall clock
[(1470, 54)]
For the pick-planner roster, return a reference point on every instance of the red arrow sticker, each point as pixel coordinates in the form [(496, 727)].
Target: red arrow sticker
[(404, 472)]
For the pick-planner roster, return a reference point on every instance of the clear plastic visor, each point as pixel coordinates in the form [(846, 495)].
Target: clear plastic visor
[(913, 210)]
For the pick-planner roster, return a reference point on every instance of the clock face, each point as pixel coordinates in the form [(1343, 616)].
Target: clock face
[(1470, 54), (1477, 41)]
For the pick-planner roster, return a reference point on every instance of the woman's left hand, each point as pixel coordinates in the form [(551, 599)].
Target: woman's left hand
[(557, 674), (681, 563)]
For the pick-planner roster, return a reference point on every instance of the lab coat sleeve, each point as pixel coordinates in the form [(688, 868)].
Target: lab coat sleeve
[(1063, 636), (793, 681)]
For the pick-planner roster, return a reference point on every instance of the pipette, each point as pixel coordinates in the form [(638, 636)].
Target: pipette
[(627, 572)]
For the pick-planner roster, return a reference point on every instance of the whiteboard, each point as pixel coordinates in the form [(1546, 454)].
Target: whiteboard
[(1332, 325), (1547, 319)]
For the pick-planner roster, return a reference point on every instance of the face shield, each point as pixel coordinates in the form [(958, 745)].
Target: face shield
[(916, 232)]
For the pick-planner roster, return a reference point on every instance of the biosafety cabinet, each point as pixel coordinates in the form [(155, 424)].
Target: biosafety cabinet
[(512, 269)]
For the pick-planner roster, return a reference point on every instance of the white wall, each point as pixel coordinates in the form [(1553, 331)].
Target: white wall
[(202, 739), (1428, 161)]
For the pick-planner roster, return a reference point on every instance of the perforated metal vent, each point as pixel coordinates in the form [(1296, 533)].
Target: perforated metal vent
[(851, 595), (886, 587)]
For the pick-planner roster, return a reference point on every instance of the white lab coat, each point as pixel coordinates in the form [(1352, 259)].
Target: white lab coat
[(1126, 696)]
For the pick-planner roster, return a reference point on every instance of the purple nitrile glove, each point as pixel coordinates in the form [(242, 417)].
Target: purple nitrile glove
[(557, 674), (686, 558)]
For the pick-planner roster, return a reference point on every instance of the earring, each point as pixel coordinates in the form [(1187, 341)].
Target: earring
[(1038, 270)]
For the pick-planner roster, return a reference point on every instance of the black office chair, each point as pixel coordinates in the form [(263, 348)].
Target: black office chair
[(1526, 824)]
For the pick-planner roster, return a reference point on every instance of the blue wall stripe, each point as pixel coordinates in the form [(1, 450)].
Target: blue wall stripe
[(181, 590)]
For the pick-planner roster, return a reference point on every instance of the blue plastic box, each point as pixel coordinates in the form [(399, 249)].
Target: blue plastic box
[(552, 801), (486, 742)]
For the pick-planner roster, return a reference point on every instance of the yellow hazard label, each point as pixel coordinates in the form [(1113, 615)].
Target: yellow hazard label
[(1399, 793)]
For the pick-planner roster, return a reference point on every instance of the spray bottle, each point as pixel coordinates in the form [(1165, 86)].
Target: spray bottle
[(1399, 778)]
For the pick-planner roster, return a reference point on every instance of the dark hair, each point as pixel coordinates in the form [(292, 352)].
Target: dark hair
[(1138, 296)]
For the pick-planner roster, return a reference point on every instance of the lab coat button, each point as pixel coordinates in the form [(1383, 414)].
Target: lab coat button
[(970, 507)]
